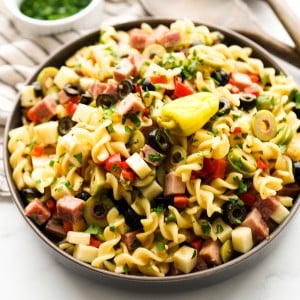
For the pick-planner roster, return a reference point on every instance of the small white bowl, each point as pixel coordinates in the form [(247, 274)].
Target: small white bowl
[(84, 19)]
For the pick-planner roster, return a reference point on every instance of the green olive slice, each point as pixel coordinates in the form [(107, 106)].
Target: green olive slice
[(264, 125)]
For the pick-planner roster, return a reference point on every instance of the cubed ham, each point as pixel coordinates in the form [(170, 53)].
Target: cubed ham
[(130, 103), (201, 264), (130, 240), (70, 208), (240, 80), (159, 31), (138, 38), (96, 88), (267, 206), (137, 60), (111, 87), (152, 156), (37, 211), (210, 252), (170, 39), (43, 110), (173, 185), (63, 97), (123, 70), (259, 227), (55, 228)]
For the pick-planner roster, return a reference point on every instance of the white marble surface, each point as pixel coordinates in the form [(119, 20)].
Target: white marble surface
[(28, 272)]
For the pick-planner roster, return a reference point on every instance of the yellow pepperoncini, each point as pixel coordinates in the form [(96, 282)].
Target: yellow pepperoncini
[(184, 116)]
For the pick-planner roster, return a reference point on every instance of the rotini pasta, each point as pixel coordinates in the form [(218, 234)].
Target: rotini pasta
[(115, 143)]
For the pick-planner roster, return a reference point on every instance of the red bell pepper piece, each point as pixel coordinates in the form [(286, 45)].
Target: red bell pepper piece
[(262, 165), (128, 175), (212, 168), (51, 205), (71, 107), (220, 167), (113, 163), (158, 79), (37, 150), (181, 201), (182, 90), (196, 243), (94, 242), (248, 198)]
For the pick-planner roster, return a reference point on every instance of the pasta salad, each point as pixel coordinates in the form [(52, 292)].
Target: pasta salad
[(158, 151)]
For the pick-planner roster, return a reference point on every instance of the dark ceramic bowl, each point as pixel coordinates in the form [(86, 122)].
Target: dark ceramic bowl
[(205, 277)]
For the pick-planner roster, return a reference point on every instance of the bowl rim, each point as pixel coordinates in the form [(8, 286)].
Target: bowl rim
[(203, 277), (14, 9)]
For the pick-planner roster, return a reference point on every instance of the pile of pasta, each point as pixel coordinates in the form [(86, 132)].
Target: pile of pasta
[(171, 236)]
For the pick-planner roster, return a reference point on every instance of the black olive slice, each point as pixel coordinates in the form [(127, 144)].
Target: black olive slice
[(224, 106), (105, 100), (247, 101), (72, 89), (296, 170), (65, 124), (83, 195), (147, 85), (159, 140), (124, 88), (234, 213), (221, 77), (86, 99), (28, 194), (37, 88)]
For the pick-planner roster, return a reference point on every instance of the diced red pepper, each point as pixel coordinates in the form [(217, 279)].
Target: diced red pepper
[(182, 90), (220, 168), (196, 243), (146, 112), (128, 175), (113, 163), (237, 130), (248, 198), (37, 150), (51, 205), (181, 201), (254, 77), (94, 242), (158, 79), (252, 89), (71, 106), (262, 165)]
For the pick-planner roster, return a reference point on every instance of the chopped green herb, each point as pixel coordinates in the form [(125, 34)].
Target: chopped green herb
[(32, 145), (170, 218), (126, 269), (112, 227), (78, 156), (242, 187), (94, 229), (155, 157), (159, 209), (219, 228), (160, 246), (51, 162), (127, 129), (194, 254), (205, 226)]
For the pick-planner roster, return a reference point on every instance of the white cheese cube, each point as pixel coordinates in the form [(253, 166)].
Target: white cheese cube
[(76, 237), (28, 97), (138, 165), (152, 190), (46, 133), (222, 230), (85, 253), (65, 75), (279, 214), (86, 114), (242, 239), (185, 259)]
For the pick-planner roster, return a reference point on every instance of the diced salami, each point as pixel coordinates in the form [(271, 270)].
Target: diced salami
[(137, 60), (130, 103), (36, 210), (43, 110), (267, 206), (96, 88), (201, 264), (70, 208), (151, 156), (170, 39), (123, 70), (174, 185), (129, 239), (259, 227), (138, 38), (210, 252), (63, 97), (111, 87), (55, 228)]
